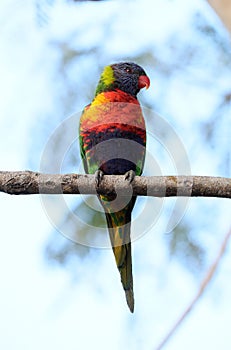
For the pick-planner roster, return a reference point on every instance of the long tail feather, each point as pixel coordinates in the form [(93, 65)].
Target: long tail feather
[(119, 224)]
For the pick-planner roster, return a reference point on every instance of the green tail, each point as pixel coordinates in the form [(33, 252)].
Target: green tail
[(119, 224)]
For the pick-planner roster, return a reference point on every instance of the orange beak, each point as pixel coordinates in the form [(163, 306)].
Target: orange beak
[(143, 81)]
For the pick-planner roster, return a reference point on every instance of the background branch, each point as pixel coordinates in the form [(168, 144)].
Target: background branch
[(28, 182), (204, 284)]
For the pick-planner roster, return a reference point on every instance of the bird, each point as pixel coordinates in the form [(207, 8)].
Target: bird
[(112, 136)]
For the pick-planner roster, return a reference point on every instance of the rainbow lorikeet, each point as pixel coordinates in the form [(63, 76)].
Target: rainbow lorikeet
[(112, 141)]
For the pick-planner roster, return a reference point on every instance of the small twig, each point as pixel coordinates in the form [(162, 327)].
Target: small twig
[(28, 182), (204, 284)]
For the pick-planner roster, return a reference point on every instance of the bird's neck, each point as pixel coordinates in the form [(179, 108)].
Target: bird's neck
[(113, 96)]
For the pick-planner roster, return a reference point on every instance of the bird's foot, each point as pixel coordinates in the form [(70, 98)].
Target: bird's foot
[(129, 176), (98, 177)]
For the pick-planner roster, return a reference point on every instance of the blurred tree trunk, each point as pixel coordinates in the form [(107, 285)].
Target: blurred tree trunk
[(223, 9)]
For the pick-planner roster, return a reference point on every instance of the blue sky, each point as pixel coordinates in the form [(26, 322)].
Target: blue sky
[(42, 306)]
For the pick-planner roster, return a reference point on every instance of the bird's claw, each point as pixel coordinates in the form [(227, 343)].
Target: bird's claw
[(98, 177), (129, 176)]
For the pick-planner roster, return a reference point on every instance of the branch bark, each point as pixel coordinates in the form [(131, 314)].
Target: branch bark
[(28, 182), (223, 9)]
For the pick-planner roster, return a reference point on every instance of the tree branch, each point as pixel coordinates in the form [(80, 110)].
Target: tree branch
[(204, 284), (28, 182)]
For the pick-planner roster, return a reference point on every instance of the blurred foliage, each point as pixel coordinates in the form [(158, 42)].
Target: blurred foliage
[(42, 9), (182, 243), (195, 62), (62, 248)]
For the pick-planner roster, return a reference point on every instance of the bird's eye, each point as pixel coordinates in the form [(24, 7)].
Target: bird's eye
[(128, 70)]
